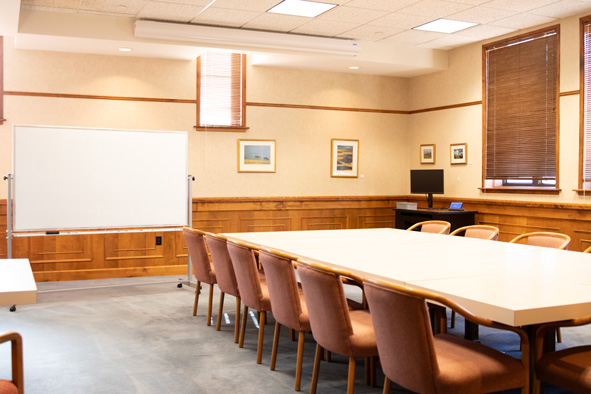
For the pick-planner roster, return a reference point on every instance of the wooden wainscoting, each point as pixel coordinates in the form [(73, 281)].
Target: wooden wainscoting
[(117, 255)]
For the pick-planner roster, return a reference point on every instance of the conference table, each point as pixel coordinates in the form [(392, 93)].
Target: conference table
[(17, 283), (514, 284)]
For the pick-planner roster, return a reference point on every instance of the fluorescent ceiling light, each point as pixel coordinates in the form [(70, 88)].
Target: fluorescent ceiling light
[(125, 49), (301, 8), (445, 26)]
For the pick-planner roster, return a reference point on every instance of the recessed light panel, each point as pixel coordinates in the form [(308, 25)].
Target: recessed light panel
[(310, 9), (445, 26)]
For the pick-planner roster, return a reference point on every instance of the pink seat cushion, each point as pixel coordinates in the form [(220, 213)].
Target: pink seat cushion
[(470, 367), (569, 368), (363, 340), (7, 387)]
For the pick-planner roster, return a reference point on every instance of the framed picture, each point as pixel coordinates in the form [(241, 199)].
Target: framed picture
[(458, 153), (428, 154), (256, 155), (344, 158)]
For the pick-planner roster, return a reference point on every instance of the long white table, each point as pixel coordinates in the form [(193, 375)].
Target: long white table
[(514, 284), (17, 284)]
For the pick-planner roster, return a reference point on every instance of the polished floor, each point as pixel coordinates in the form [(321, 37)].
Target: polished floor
[(138, 335)]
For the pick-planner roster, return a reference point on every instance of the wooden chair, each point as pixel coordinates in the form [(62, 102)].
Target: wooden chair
[(419, 361), (253, 289), (202, 268), (17, 383), (545, 239), (588, 250), (287, 301), (432, 226), (225, 277), (568, 368), (478, 231), (335, 327)]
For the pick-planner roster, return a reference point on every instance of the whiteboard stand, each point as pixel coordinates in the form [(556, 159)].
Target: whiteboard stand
[(190, 180), (9, 217)]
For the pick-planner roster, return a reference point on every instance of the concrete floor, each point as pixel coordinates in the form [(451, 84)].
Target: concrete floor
[(138, 335)]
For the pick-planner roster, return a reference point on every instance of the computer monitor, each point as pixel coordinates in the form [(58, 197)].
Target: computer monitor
[(427, 182)]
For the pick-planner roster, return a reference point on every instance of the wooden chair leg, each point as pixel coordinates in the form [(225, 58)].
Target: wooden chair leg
[(453, 320), (275, 344), (196, 302), (210, 305), (299, 361), (328, 356), (386, 386), (316, 369), (291, 334), (262, 323), (351, 379), (558, 335), (220, 312), (367, 371), (372, 371), (243, 326), (237, 323)]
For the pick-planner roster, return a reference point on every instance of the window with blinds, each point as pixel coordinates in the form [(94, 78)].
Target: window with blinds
[(520, 109), (2, 120), (221, 90), (585, 105)]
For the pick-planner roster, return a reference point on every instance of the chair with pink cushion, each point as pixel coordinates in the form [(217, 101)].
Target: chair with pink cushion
[(335, 327), (287, 302), (432, 226), (202, 268), (225, 276), (253, 289), (17, 382), (545, 239), (478, 231), (417, 360)]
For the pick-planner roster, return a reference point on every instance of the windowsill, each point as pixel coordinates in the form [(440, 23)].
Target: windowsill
[(520, 190), (582, 192), (222, 129)]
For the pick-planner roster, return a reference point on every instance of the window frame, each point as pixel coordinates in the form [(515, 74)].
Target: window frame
[(242, 127), (586, 20), (499, 185), (2, 120)]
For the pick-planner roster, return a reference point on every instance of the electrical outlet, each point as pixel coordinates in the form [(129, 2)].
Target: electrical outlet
[(158, 240)]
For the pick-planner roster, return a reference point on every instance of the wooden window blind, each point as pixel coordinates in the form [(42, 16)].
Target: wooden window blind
[(521, 99), (586, 100), (2, 120), (221, 90)]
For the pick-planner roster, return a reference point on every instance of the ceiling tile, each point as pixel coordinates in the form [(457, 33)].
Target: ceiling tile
[(67, 4), (519, 6), (523, 21), (482, 32), (448, 42), (277, 22), (401, 21), (324, 28), (246, 5), (352, 14), (384, 5), (115, 7), (434, 8), (370, 33), (412, 37), (481, 15), (563, 9), (225, 17), (169, 12), (471, 2)]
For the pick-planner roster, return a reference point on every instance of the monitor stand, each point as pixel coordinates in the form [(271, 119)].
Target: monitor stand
[(430, 200)]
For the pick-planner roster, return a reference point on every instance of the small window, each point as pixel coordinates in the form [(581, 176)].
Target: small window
[(521, 112), (585, 105), (221, 91), (2, 120)]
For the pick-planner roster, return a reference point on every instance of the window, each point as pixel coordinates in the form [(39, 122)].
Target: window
[(521, 113), (585, 105), (221, 91)]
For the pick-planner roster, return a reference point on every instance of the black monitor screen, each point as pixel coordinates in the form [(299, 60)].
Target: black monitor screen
[(426, 181)]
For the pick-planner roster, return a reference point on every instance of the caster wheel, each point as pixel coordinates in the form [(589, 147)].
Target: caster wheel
[(179, 285), (13, 308)]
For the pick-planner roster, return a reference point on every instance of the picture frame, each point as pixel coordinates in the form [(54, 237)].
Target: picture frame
[(428, 154), (256, 156), (458, 153), (344, 158)]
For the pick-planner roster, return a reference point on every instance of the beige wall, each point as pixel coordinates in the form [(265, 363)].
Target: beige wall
[(462, 83), (303, 136)]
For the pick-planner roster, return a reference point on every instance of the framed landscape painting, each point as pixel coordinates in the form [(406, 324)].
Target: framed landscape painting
[(256, 155), (458, 153), (428, 154), (344, 158)]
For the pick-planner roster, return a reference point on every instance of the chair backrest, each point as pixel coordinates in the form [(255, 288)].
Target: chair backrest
[(404, 337), (327, 307), (247, 275), (16, 384), (545, 239), (282, 283), (224, 271), (432, 226), (478, 231), (202, 267)]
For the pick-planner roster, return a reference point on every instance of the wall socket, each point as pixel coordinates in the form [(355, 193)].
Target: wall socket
[(158, 240)]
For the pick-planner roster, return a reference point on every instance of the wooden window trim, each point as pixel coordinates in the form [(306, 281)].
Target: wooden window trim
[(2, 120), (241, 128), (582, 22), (523, 189)]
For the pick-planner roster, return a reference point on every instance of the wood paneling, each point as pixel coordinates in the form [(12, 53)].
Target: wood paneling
[(112, 255)]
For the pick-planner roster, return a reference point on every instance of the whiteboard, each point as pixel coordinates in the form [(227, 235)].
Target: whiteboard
[(87, 178)]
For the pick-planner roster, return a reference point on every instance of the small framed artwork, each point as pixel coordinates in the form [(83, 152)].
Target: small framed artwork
[(256, 155), (458, 153), (428, 154), (344, 158)]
